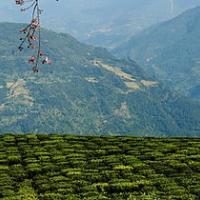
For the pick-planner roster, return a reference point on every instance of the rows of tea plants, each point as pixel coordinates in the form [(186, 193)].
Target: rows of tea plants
[(51, 167)]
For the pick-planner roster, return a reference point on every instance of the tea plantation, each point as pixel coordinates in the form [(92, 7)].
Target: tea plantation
[(52, 167)]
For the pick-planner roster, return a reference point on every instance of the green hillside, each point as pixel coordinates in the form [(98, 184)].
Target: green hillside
[(55, 167), (85, 91), (170, 52)]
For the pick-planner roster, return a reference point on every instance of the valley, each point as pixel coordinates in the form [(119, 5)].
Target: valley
[(169, 52)]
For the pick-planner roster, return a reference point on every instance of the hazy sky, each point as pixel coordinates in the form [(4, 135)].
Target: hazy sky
[(95, 19), (72, 8)]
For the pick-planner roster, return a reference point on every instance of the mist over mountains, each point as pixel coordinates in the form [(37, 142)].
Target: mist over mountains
[(105, 23)]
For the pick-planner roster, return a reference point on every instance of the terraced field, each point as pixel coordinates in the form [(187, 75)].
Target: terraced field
[(73, 167)]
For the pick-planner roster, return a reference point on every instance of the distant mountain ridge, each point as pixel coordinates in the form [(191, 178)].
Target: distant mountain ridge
[(170, 52), (106, 23), (85, 91)]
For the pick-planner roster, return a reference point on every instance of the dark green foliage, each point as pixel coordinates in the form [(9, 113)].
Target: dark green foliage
[(75, 167)]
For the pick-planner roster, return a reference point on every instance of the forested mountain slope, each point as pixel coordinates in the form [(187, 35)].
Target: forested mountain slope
[(85, 91)]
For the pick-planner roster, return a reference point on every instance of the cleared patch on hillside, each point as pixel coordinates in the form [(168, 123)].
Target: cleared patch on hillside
[(91, 79), (18, 89), (116, 70), (149, 83), (128, 79), (132, 85)]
